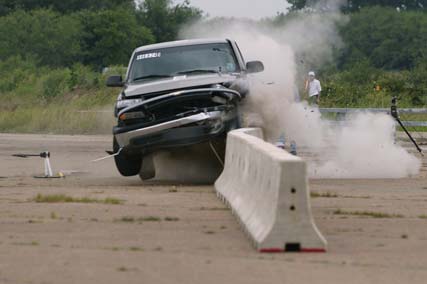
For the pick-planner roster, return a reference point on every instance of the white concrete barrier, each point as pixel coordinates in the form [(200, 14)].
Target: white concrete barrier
[(266, 188)]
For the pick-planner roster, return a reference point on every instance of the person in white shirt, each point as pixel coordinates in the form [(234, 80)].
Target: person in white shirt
[(313, 88)]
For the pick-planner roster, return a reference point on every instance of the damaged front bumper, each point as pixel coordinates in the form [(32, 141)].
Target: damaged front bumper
[(206, 125), (197, 126)]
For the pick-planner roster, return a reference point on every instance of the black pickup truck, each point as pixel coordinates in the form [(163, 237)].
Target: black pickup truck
[(177, 94)]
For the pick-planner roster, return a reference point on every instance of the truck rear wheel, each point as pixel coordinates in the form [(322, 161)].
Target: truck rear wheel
[(126, 165), (148, 170)]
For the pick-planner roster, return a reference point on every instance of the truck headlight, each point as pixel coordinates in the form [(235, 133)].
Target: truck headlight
[(127, 103)]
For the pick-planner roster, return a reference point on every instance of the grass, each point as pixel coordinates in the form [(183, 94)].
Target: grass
[(33, 243), (328, 194), (127, 219), (53, 215), (357, 197), (422, 216), (136, 249), (403, 117), (367, 214), (46, 100), (171, 219), (314, 194), (71, 100), (132, 248), (56, 119), (114, 201), (31, 221), (61, 198), (214, 209), (76, 110), (131, 219), (122, 269), (150, 219)]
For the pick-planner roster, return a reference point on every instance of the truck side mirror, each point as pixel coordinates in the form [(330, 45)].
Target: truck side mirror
[(254, 67), (115, 81)]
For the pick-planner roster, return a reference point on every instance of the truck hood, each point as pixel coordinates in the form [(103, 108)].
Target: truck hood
[(178, 82)]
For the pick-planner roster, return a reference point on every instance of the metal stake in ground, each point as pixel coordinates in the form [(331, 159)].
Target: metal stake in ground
[(395, 114), (46, 161)]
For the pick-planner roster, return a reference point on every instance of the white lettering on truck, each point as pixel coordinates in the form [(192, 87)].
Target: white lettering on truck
[(149, 55)]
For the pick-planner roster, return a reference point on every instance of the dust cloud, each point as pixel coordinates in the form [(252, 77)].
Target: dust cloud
[(188, 165), (362, 148)]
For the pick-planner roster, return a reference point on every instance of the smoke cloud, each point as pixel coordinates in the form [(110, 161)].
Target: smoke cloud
[(188, 165), (363, 148)]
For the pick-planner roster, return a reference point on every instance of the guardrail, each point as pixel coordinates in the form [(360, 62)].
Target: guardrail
[(342, 112)]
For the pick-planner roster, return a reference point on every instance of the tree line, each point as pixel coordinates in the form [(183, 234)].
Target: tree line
[(93, 32), (104, 32), (384, 53), (384, 41), (356, 5)]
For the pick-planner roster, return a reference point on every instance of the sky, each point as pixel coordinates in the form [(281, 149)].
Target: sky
[(254, 9)]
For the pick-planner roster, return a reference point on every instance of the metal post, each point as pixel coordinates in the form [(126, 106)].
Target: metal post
[(48, 173), (47, 167), (395, 114)]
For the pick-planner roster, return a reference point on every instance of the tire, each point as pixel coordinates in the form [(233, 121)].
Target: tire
[(126, 165), (148, 170)]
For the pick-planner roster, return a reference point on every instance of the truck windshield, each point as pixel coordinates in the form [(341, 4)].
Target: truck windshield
[(183, 60)]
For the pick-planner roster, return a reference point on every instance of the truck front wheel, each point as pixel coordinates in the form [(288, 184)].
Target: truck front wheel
[(126, 165)]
